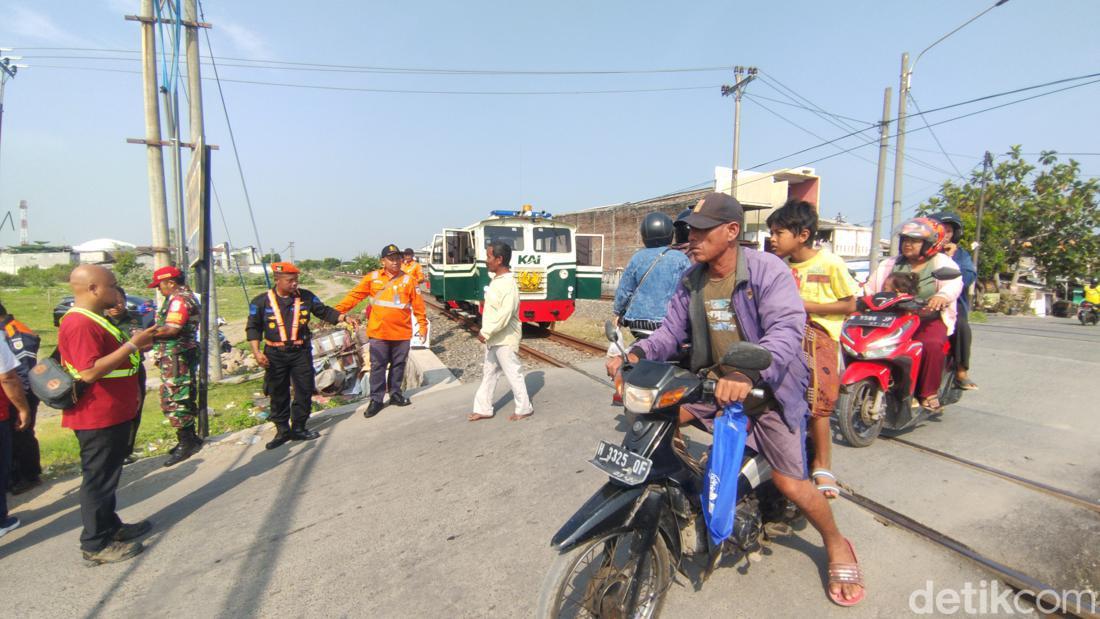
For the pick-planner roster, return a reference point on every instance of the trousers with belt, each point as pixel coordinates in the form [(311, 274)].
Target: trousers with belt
[(385, 354), (289, 366)]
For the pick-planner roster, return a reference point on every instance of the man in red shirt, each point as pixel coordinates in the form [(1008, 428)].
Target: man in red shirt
[(99, 355)]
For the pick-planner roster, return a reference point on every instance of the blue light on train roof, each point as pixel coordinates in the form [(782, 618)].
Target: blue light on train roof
[(539, 214)]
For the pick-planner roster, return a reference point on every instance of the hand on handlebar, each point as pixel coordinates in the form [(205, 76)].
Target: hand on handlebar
[(937, 303), (733, 387), (614, 364)]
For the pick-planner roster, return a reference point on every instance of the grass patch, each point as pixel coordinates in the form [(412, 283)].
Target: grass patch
[(590, 330), (977, 317)]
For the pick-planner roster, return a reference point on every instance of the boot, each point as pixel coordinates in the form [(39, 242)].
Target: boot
[(189, 445)]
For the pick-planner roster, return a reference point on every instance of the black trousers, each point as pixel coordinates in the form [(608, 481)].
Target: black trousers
[(142, 376), (101, 454), (289, 365), (392, 354), (26, 462), (963, 339), (5, 465)]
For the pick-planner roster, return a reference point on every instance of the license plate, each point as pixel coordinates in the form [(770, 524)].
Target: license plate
[(872, 320), (621, 464)]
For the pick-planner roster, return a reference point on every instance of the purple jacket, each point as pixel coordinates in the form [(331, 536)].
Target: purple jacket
[(769, 312)]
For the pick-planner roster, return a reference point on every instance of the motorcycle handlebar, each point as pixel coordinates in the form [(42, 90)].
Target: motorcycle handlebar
[(709, 385)]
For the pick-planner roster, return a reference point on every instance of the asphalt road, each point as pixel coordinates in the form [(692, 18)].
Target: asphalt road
[(419, 513)]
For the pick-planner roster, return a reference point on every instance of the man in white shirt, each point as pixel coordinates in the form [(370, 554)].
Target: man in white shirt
[(501, 328), (11, 393)]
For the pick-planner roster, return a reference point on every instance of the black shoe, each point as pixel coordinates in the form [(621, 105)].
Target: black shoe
[(130, 459), (189, 445), (303, 434), (128, 532), (372, 409), (399, 400), (114, 552), (26, 485), (281, 437)]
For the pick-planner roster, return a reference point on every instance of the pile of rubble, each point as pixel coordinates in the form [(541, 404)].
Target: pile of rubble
[(340, 360), (237, 361)]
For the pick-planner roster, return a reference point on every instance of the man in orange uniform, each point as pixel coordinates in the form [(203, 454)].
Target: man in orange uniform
[(393, 296), (412, 268)]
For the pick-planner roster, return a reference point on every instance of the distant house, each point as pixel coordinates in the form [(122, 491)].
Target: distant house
[(101, 251), (41, 256)]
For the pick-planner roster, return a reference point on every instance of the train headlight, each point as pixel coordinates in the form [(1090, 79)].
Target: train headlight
[(563, 274)]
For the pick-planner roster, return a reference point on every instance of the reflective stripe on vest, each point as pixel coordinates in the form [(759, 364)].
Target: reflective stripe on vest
[(135, 357), (384, 303), (274, 302)]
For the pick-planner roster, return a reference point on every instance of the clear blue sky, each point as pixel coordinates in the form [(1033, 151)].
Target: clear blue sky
[(342, 172)]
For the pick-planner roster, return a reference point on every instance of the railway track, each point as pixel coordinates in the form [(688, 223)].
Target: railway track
[(576, 342)]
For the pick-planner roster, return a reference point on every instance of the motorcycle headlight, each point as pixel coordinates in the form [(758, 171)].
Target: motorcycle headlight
[(882, 348), (638, 400)]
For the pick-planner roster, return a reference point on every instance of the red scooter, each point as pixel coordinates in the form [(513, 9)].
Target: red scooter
[(882, 362)]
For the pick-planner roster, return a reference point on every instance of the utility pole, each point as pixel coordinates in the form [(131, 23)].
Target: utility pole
[(158, 206), (8, 69), (880, 181), (198, 137), (987, 162), (899, 154), (290, 251), (741, 78)]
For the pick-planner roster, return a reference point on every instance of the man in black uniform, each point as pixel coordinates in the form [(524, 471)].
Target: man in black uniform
[(280, 317)]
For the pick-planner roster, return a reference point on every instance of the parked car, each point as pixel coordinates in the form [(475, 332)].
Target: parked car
[(139, 308)]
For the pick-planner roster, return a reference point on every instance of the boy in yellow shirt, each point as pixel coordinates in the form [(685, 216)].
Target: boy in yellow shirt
[(828, 292)]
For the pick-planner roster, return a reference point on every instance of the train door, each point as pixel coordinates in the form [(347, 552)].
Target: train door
[(459, 266), (435, 267), (589, 266)]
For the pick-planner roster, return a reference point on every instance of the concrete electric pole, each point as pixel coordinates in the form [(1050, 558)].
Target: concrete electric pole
[(8, 69), (198, 141), (880, 181), (987, 162), (899, 155), (158, 205), (741, 77)]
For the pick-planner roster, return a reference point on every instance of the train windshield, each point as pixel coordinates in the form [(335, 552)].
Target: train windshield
[(512, 235), (552, 240)]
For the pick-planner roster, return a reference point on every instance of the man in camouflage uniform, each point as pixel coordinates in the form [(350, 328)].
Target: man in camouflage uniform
[(177, 349)]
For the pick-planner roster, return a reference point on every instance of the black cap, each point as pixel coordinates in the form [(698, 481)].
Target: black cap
[(715, 209), (389, 250)]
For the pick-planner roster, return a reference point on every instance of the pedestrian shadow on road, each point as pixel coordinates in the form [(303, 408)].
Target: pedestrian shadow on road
[(69, 523), (260, 559)]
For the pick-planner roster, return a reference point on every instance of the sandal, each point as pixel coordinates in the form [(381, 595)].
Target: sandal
[(846, 574), (826, 488), (966, 384), (932, 403)]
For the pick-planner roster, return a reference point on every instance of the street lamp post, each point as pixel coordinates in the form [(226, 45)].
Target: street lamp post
[(8, 69), (903, 90)]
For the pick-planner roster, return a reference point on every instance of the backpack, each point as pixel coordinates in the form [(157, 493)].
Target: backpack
[(53, 385)]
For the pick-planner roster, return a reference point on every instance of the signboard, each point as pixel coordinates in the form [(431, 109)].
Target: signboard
[(195, 196)]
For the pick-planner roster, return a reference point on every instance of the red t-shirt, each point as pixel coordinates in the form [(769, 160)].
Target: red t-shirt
[(108, 401)]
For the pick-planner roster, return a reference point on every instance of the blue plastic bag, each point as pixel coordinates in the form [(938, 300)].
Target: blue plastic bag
[(723, 469)]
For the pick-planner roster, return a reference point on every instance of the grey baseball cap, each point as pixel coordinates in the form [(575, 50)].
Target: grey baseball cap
[(715, 209)]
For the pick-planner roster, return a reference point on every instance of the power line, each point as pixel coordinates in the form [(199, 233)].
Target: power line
[(413, 70), (236, 152), (934, 136)]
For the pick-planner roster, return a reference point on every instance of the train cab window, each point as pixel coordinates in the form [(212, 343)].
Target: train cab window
[(552, 240), (460, 247), (512, 235)]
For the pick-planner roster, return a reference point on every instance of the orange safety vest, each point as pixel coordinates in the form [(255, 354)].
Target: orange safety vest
[(413, 270), (392, 300), (294, 319)]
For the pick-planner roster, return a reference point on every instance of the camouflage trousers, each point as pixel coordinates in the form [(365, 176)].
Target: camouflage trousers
[(179, 387)]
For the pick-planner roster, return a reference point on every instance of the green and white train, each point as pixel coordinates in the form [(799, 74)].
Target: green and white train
[(553, 265)]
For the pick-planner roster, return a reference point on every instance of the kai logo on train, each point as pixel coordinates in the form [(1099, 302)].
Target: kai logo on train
[(530, 260)]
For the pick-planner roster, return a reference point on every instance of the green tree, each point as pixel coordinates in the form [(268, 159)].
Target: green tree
[(363, 263), (272, 257), (125, 263), (1045, 212)]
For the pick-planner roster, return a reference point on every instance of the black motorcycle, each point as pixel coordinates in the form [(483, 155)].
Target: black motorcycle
[(1087, 314), (618, 552)]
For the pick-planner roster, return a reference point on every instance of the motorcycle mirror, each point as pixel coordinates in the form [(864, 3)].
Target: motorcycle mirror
[(747, 356), (609, 331), (946, 273)]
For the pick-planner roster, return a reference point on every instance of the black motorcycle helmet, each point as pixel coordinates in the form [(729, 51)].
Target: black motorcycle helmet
[(952, 221), (657, 230), (681, 229)]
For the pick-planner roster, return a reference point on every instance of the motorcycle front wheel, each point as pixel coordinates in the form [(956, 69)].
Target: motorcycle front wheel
[(594, 578), (854, 409)]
